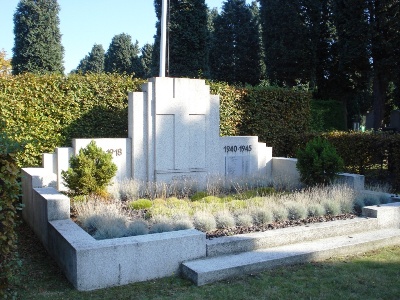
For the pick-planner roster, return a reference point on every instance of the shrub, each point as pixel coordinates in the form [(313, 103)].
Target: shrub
[(262, 216), (280, 213), (332, 208), (211, 199), (90, 171), (318, 163), (198, 196), (204, 221), (244, 220), (296, 211), (224, 219), (316, 210), (108, 227), (140, 204), (160, 227), (137, 227), (358, 205), (183, 224), (9, 196), (370, 200)]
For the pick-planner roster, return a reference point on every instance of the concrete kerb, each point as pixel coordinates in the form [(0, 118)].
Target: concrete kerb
[(91, 264)]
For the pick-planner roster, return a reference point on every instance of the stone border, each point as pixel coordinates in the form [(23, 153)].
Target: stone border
[(90, 264)]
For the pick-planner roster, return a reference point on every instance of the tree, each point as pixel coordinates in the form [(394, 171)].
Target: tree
[(236, 52), (383, 16), (93, 62), (5, 64), (188, 38), (146, 59), (37, 37), (289, 52), (121, 55)]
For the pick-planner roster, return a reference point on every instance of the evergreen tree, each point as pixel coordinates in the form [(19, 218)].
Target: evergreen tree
[(384, 20), (83, 65), (37, 37), (289, 52), (188, 36), (146, 59), (93, 62), (121, 55), (236, 51)]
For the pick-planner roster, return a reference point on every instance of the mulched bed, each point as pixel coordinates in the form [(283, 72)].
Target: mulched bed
[(277, 225)]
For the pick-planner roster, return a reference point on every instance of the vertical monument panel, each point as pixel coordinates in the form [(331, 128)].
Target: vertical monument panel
[(165, 142), (197, 141)]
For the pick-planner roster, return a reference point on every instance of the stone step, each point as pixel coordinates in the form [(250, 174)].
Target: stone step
[(291, 235), (213, 269)]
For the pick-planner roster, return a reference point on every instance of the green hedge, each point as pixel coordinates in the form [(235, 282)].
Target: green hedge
[(43, 112), (278, 117), (9, 198), (373, 154), (327, 115)]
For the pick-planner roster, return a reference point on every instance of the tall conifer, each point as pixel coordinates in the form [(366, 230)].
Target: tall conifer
[(37, 37)]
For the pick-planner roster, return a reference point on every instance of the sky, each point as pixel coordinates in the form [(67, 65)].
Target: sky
[(84, 23)]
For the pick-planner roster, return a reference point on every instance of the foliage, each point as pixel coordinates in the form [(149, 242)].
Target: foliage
[(146, 59), (93, 62), (188, 38), (122, 56), (289, 52), (90, 171), (37, 38), (236, 54), (327, 115), (47, 111), (140, 204), (5, 64), (277, 116), (231, 107), (369, 153), (9, 197), (318, 163)]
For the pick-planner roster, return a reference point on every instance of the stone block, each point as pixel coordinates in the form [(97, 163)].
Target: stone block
[(388, 215), (354, 181), (91, 264), (120, 148), (284, 171)]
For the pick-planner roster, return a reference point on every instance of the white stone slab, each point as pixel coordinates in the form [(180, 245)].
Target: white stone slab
[(120, 150)]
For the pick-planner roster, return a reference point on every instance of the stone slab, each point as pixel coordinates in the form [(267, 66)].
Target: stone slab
[(90, 264), (212, 269), (290, 235), (120, 148)]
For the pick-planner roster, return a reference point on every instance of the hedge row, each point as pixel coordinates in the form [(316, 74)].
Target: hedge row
[(277, 116), (43, 112), (9, 199)]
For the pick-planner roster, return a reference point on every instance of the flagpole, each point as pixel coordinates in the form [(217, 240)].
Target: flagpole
[(163, 41)]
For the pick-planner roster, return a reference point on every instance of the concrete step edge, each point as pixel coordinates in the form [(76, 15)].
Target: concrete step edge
[(213, 269), (285, 236)]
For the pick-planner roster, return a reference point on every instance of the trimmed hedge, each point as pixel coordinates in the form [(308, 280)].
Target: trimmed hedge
[(327, 115), (278, 117), (374, 154), (9, 198), (46, 111)]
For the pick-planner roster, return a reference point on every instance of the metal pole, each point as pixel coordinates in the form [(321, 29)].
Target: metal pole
[(163, 41)]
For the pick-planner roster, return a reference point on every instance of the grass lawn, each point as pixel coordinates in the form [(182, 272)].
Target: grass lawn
[(374, 275)]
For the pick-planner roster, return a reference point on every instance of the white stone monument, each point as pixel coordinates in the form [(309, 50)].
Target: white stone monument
[(173, 134)]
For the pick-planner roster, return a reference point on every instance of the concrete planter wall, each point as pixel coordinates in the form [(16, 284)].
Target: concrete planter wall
[(91, 264)]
